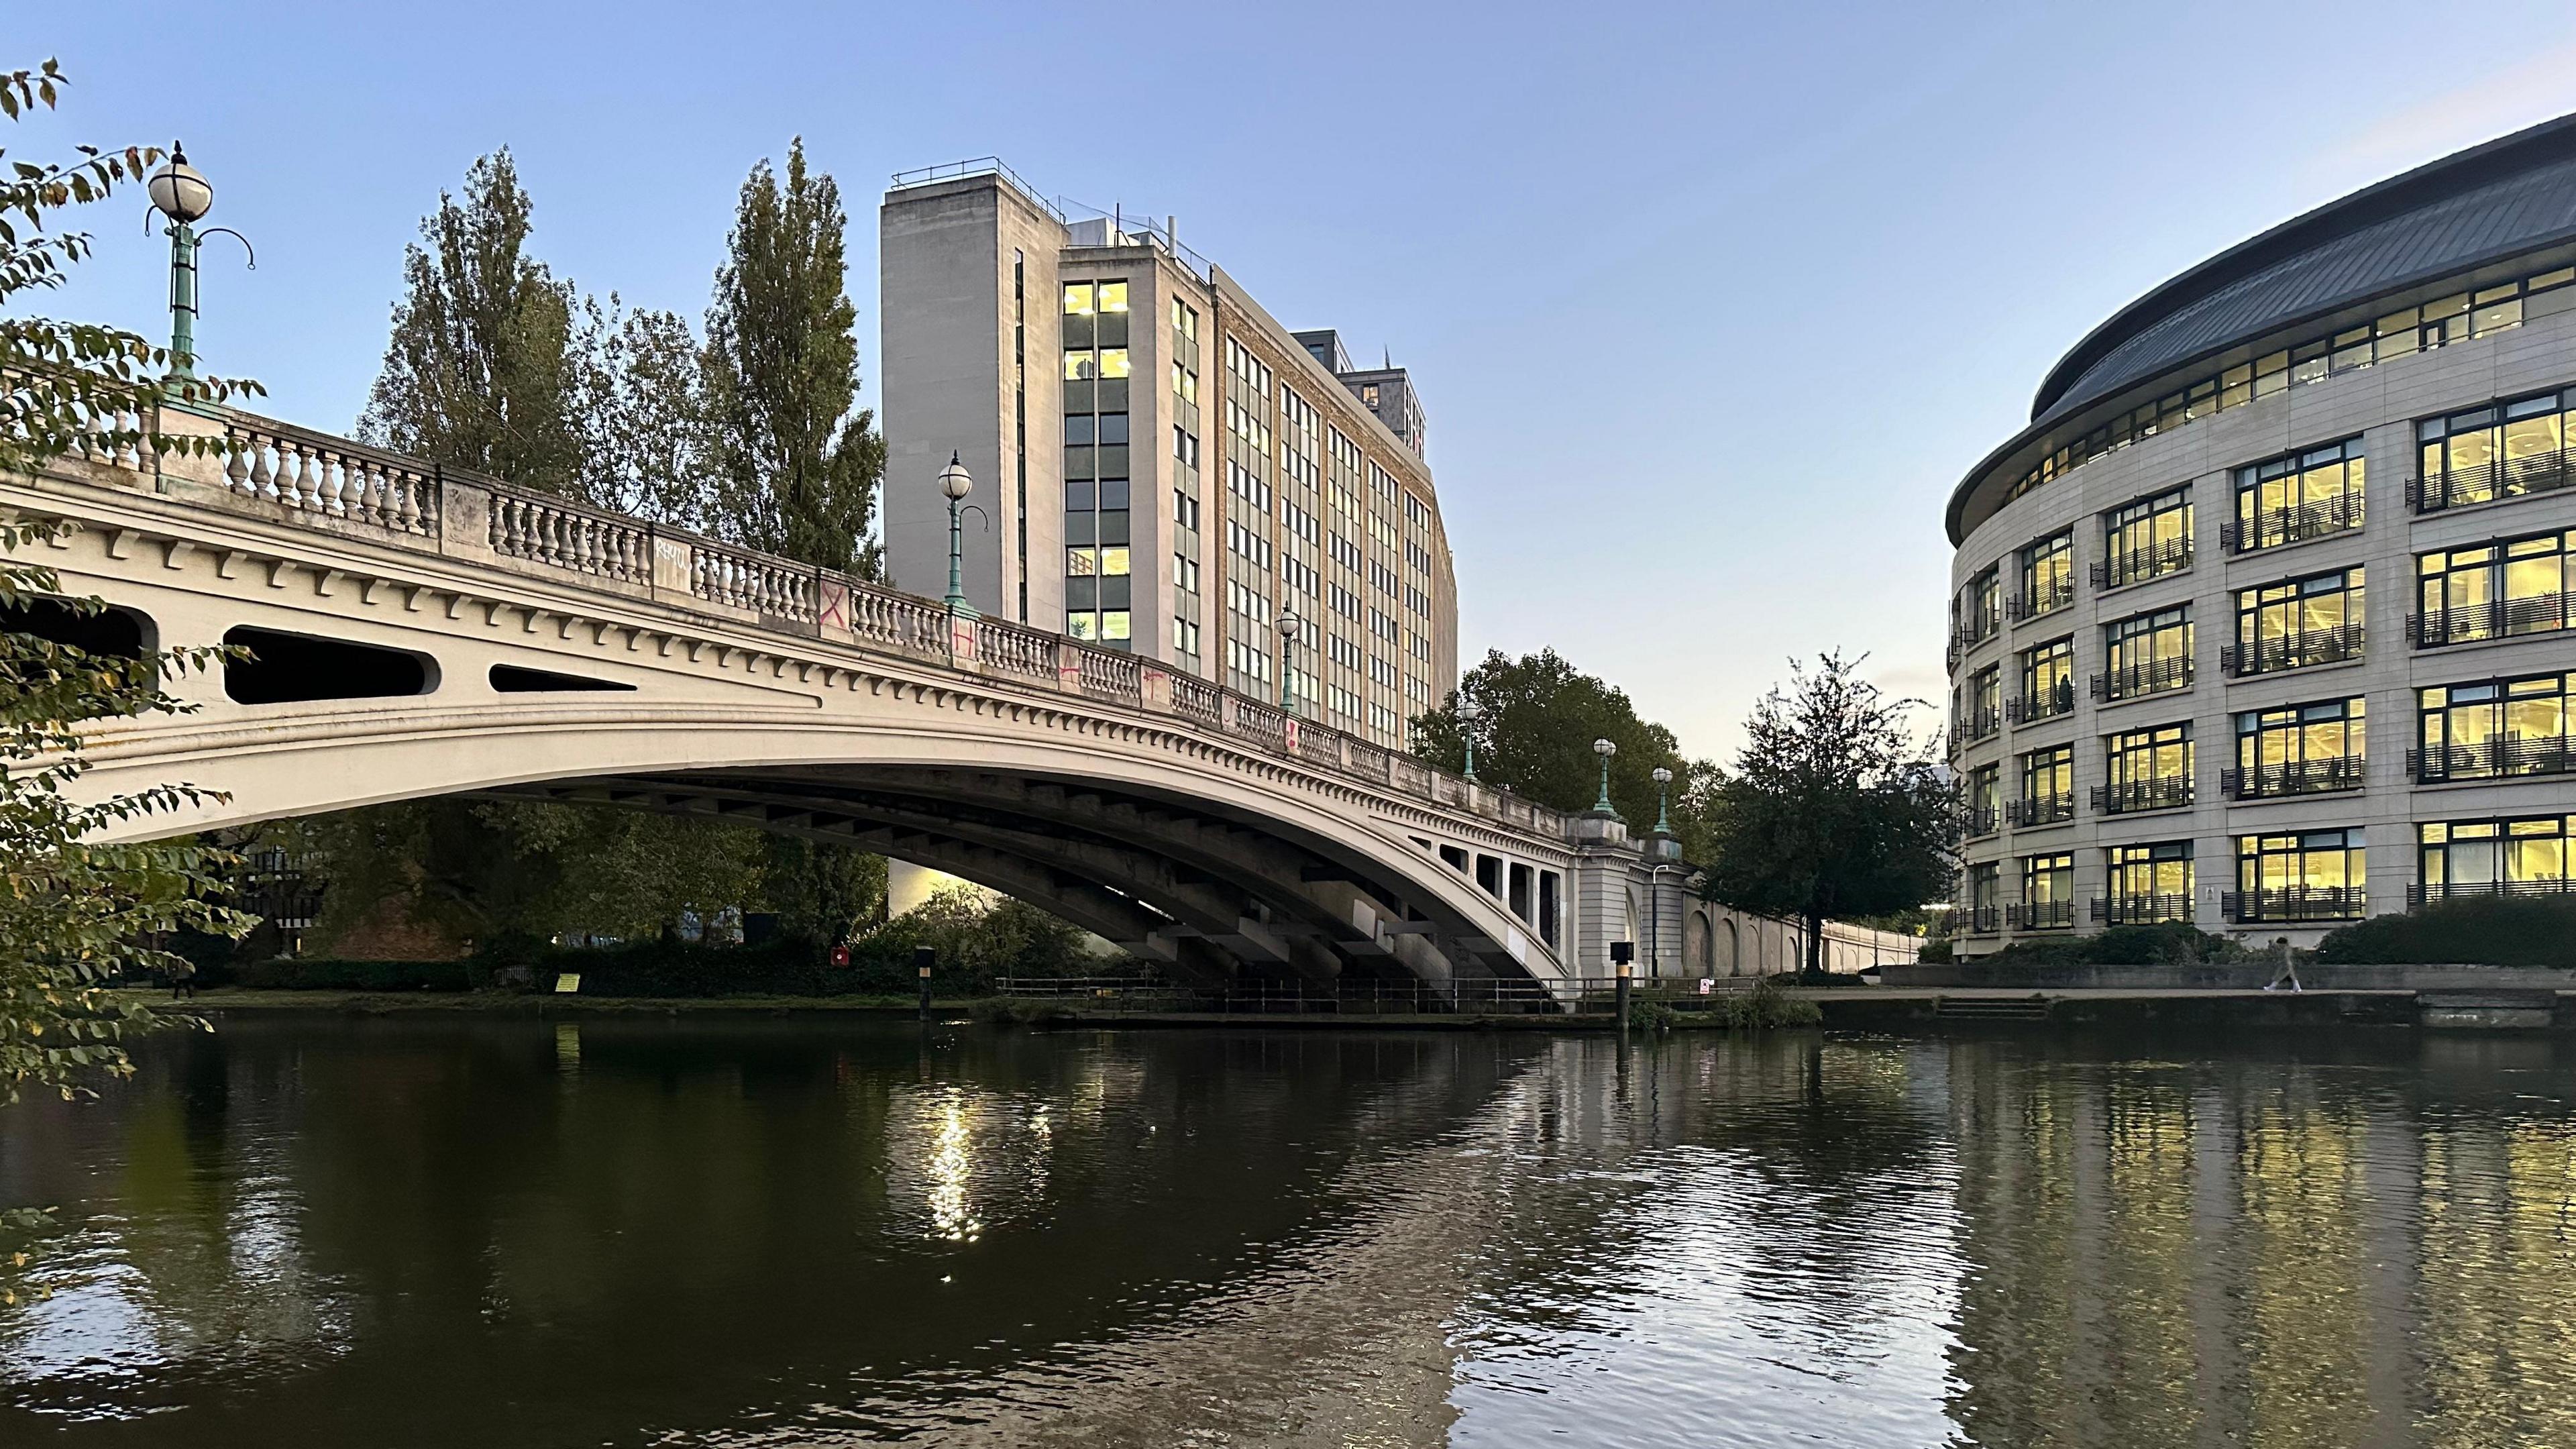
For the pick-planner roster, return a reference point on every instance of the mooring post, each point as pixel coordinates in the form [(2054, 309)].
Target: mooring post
[(923, 958)]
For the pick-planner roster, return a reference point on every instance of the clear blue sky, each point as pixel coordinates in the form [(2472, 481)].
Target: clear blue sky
[(1711, 304)]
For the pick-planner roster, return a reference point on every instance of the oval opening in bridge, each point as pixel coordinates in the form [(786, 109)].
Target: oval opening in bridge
[(121, 633), (511, 679), (289, 668)]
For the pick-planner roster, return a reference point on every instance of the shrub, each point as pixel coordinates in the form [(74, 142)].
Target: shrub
[(293, 973), (2166, 942), (1650, 1015), (1768, 1005), (2475, 930)]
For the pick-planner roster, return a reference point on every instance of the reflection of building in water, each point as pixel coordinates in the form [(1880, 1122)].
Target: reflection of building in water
[(2261, 1253)]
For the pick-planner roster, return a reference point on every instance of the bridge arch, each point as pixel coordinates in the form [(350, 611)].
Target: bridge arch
[(1181, 823)]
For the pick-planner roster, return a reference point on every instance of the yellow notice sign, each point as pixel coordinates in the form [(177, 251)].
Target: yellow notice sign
[(567, 981)]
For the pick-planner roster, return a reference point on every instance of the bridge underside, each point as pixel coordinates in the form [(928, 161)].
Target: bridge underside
[(1164, 877)]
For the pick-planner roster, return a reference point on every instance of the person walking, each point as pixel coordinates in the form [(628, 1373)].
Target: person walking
[(2289, 967)]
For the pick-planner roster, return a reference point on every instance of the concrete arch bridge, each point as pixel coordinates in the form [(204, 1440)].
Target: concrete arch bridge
[(423, 632)]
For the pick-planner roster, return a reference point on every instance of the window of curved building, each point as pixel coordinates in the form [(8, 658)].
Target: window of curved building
[(2146, 654), (2148, 769), (2047, 787), (1985, 897), (2455, 318), (2047, 893), (1985, 799), (2145, 540), (2047, 568), (2150, 882), (2494, 729), (2315, 875), (2299, 749), (2494, 590), (2494, 857), (2298, 623), (2047, 681), (2503, 450), (2298, 496)]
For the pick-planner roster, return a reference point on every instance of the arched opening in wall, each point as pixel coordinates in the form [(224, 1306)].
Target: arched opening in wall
[(1734, 949), (283, 668), (122, 633), (511, 679)]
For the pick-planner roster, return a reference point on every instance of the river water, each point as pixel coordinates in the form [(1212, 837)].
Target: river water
[(444, 1232)]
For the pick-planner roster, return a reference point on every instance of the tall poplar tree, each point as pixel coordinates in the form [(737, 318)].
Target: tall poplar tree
[(797, 462), (485, 367)]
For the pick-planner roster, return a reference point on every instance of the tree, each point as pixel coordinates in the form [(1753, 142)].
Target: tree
[(76, 915), (483, 369), (1834, 808), (645, 416), (1534, 737), (797, 469)]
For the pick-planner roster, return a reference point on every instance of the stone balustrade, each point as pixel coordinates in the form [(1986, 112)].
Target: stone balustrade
[(296, 476)]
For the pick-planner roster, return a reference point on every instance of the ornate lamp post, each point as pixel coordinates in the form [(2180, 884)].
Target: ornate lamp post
[(1289, 625), (181, 192), (955, 482), (1663, 815), (1468, 713), (1605, 749)]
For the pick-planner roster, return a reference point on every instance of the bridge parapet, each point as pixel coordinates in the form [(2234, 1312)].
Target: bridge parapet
[(285, 474)]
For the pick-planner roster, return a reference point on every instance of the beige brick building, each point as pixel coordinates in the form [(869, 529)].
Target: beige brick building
[(1165, 468)]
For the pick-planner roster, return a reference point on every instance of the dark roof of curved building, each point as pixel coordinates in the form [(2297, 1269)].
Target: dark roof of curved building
[(2492, 201)]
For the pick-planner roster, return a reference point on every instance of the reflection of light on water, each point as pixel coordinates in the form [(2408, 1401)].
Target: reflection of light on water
[(962, 1161), (952, 1162), (568, 1046)]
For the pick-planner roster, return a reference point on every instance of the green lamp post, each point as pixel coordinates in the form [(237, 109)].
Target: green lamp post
[(1663, 815), (181, 192), (1468, 713), (1289, 625), (955, 483), (1605, 749)]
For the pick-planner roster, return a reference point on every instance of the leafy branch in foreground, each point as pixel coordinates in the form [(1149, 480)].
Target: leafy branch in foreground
[(77, 914)]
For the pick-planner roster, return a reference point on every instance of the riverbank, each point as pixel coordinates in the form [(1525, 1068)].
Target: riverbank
[(1852, 1008)]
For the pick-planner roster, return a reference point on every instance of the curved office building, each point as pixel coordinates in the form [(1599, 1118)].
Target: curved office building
[(2264, 622)]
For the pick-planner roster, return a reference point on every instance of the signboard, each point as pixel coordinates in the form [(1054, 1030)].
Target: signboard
[(840, 955), (832, 609), (567, 982), (1707, 985)]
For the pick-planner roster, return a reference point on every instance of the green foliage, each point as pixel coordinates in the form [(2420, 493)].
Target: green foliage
[(2466, 930), (1768, 1006), (1645, 1015), (322, 973), (480, 870), (1833, 810), (822, 892), (482, 371), (2163, 943), (797, 469), (1534, 737), (76, 914), (982, 939)]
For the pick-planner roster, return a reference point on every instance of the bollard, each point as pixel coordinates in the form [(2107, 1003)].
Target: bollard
[(1622, 955), (923, 958)]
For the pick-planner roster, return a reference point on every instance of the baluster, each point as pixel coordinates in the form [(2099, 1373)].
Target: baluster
[(590, 561), (263, 480), (331, 480), (290, 473), (236, 466), (367, 499), (129, 451), (505, 525)]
